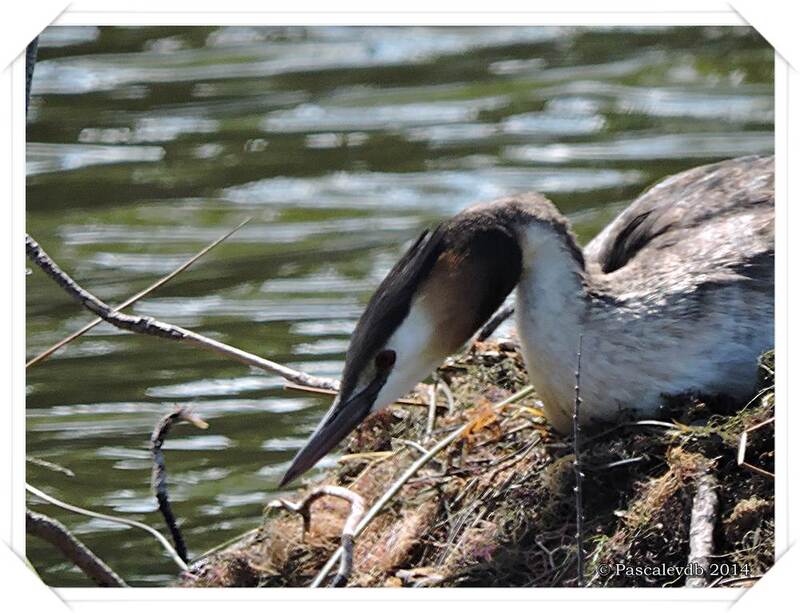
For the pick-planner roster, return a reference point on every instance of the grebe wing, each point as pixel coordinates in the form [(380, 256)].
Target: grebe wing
[(709, 220)]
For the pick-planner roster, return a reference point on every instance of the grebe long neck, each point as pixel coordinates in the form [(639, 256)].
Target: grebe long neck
[(553, 310)]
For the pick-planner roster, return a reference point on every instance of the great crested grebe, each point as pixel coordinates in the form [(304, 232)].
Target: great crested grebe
[(673, 296)]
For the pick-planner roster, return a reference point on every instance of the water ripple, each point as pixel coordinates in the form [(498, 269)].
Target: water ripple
[(655, 147)]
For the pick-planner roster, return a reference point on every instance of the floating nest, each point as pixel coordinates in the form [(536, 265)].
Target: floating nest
[(497, 507)]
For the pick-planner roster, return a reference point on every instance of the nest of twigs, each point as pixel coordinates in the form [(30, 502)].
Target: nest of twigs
[(497, 507)]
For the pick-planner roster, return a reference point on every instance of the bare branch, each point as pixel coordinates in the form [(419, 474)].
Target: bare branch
[(55, 533), (348, 532), (160, 432), (153, 327), (701, 529), (135, 298)]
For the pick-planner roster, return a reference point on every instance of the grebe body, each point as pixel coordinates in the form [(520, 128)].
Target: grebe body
[(676, 295)]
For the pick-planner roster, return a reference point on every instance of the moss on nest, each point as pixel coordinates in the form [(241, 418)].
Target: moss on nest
[(497, 507)]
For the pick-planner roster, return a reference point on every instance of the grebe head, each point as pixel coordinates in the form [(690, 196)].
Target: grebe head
[(433, 300)]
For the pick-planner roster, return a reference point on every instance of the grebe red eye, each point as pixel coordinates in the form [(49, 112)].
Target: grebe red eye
[(385, 360)]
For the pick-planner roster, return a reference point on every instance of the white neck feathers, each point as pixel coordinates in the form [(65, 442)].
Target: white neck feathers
[(551, 310)]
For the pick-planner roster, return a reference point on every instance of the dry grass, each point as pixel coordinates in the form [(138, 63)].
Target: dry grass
[(497, 507)]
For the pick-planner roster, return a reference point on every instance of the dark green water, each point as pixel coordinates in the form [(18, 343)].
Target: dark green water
[(342, 143)]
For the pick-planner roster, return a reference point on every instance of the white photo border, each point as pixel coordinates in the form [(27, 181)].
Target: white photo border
[(167, 12)]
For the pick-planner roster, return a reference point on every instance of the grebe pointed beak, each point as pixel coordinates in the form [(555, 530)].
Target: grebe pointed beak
[(340, 420)]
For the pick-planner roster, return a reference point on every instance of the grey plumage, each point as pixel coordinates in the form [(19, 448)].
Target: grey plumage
[(711, 224), (676, 295)]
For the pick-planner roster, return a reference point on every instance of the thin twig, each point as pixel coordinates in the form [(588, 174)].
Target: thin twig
[(740, 456), (153, 327), (234, 539), (701, 529), (448, 394), (364, 455), (57, 534), (723, 580), (401, 481), (49, 465), (119, 520), (494, 322), (136, 297), (332, 392), (412, 577), (576, 429), (350, 525), (432, 392), (159, 480), (642, 423), (413, 444), (615, 464)]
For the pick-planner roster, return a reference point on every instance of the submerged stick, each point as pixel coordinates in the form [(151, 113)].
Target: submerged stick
[(701, 528), (401, 481), (154, 327), (136, 297), (119, 520), (160, 432), (348, 532), (576, 429), (57, 534)]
